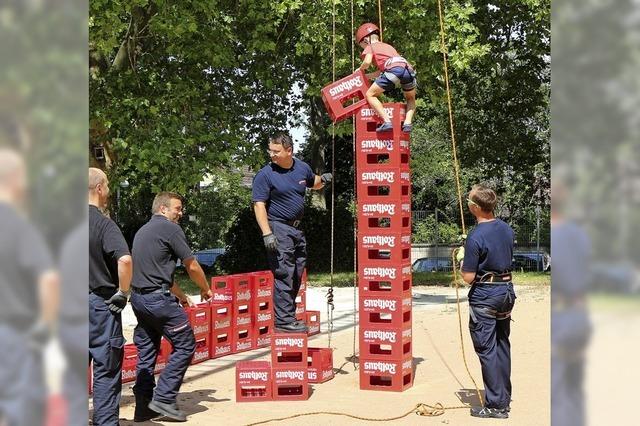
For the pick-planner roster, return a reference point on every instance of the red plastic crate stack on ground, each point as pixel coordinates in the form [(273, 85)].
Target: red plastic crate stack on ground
[(254, 381), (384, 251), (244, 331), (319, 364), (289, 362), (200, 320), (222, 330), (341, 92), (262, 302)]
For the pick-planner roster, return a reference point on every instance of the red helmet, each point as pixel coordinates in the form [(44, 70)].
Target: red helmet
[(365, 30)]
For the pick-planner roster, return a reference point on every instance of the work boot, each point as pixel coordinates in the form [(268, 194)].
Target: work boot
[(142, 412), (168, 410), (292, 327), (489, 413), (385, 127)]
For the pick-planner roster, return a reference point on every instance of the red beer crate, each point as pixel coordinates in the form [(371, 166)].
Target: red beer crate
[(262, 299), (320, 365), (336, 94), (381, 342), (390, 215), (289, 350), (242, 320), (262, 280), (163, 356), (387, 375), (222, 331), (382, 150), (383, 310), (379, 279), (312, 319), (203, 349), (367, 120), (222, 290), (263, 333), (129, 363), (241, 284), (301, 305), (254, 381), (383, 182), (243, 339), (290, 383), (200, 318), (384, 246)]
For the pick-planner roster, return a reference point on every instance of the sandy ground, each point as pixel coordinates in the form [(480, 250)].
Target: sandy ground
[(208, 393)]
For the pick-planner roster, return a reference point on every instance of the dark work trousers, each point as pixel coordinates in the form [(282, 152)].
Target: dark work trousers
[(570, 335), (490, 336), (72, 333), (22, 393), (161, 315), (287, 265), (106, 349)]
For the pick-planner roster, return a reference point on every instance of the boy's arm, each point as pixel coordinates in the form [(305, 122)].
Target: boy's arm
[(366, 63)]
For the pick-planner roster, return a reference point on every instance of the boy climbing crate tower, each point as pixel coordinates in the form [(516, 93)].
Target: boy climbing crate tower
[(384, 235)]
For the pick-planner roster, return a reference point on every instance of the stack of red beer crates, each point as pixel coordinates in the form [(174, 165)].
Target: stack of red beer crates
[(384, 251)]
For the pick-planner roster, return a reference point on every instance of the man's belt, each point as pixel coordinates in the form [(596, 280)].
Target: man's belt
[(149, 290), (493, 278), (104, 292), (295, 222)]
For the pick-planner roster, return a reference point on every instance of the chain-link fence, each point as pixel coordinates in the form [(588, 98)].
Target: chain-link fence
[(436, 235)]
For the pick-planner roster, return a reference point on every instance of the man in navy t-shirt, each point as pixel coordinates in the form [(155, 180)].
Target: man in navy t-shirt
[(278, 196), (487, 265)]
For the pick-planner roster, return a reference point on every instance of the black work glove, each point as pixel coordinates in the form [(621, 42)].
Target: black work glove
[(270, 242), (326, 178), (117, 302)]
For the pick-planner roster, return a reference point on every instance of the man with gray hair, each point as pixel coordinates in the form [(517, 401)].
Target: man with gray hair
[(156, 248)]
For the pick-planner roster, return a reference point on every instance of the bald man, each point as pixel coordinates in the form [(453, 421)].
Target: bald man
[(110, 271), (29, 292)]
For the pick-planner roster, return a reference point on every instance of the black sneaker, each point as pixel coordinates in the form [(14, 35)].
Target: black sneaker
[(142, 412), (489, 413), (168, 410), (293, 327), (384, 127)]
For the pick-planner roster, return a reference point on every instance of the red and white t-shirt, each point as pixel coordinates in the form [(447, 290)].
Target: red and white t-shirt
[(384, 56)]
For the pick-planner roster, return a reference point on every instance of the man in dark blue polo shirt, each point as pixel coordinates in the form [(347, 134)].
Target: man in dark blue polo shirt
[(487, 265), (156, 303), (278, 196), (110, 271)]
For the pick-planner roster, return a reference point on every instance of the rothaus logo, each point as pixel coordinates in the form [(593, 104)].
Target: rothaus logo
[(385, 336), (243, 295), (405, 176), (313, 375), (289, 374), (345, 85), (381, 240), (377, 144), (221, 297), (380, 272), (314, 327), (406, 239), (200, 355), (223, 349), (387, 177), (264, 293), (289, 342), (406, 334), (368, 112), (254, 375), (243, 320), (327, 373), (243, 346), (380, 208), (160, 366), (299, 310), (382, 367), (128, 374), (264, 317), (199, 329), (406, 208), (407, 365), (223, 323), (264, 341), (406, 270), (404, 144), (389, 305)]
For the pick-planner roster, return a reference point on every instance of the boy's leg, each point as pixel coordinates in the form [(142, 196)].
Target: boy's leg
[(410, 96), (372, 97)]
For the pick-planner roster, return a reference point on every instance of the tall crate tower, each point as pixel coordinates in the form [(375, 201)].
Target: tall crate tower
[(384, 251)]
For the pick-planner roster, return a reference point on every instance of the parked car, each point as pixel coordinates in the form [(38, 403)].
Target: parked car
[(432, 264), (206, 258), (531, 261)]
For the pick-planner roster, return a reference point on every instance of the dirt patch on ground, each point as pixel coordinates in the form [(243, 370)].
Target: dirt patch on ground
[(208, 393)]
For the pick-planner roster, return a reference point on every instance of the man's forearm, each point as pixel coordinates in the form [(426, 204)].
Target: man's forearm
[(49, 296), (125, 272), (197, 275), (260, 211)]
